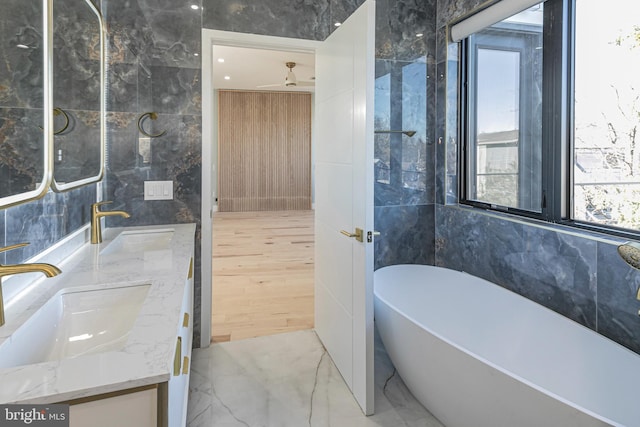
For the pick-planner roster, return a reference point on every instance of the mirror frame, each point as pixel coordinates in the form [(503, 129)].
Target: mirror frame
[(61, 187), (47, 107)]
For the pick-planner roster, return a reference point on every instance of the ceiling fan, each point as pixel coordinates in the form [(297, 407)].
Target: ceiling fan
[(290, 79)]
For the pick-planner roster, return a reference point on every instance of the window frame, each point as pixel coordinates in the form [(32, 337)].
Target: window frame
[(467, 52), (493, 41), (558, 69)]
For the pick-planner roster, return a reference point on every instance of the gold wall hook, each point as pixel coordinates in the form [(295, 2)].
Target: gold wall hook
[(153, 116), (56, 112)]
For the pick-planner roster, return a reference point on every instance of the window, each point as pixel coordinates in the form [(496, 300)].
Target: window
[(606, 184), (504, 121), (551, 114)]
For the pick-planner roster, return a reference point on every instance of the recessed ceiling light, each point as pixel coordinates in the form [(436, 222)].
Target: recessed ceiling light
[(195, 7), (220, 60), (419, 35), (22, 46), (337, 24), (227, 78), (196, 54)]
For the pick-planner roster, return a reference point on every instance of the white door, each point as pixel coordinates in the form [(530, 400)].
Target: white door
[(344, 200)]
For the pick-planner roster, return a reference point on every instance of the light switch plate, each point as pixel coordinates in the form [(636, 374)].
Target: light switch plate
[(158, 190)]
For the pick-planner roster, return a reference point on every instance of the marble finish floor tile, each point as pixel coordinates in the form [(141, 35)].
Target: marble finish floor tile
[(289, 380)]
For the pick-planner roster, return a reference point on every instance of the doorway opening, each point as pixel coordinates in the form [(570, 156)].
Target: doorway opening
[(257, 266)]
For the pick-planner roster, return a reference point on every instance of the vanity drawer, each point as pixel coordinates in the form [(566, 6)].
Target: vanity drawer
[(128, 408)]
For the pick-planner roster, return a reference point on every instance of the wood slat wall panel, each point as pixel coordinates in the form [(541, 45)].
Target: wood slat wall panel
[(264, 151)]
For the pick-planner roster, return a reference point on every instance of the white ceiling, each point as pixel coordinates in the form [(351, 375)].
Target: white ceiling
[(249, 68)]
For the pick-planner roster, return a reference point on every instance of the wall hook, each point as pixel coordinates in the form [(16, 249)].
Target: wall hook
[(56, 112), (153, 116)]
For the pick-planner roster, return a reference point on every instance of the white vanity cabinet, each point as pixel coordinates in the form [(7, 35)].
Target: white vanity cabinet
[(144, 380), (179, 382), (130, 408), (160, 405)]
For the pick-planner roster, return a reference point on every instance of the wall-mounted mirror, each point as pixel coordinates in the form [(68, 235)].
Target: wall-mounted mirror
[(78, 94), (25, 96)]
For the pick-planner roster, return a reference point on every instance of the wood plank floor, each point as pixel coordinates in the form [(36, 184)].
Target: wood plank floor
[(262, 273)]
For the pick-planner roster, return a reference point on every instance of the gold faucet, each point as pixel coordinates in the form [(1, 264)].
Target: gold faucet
[(96, 228), (7, 270)]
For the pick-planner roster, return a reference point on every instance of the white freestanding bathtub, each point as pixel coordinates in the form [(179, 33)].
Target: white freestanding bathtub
[(476, 354)]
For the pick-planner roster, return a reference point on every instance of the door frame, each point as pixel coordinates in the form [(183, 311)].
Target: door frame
[(209, 146)]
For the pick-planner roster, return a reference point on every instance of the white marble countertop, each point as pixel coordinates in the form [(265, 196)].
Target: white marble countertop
[(147, 356)]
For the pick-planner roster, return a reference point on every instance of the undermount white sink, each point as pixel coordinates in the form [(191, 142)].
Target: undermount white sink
[(75, 323), (140, 241)]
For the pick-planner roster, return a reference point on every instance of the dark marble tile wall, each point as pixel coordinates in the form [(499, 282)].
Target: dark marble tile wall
[(302, 19), (154, 66), (557, 270), (405, 100), (617, 307), (576, 275), (405, 30), (404, 235), (45, 221), (340, 10), (147, 32)]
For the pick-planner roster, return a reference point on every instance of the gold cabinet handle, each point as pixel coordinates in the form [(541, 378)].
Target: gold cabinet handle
[(185, 366), (185, 321), (177, 358), (190, 274), (357, 235)]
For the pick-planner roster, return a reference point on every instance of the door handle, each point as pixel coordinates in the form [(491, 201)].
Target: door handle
[(357, 235)]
